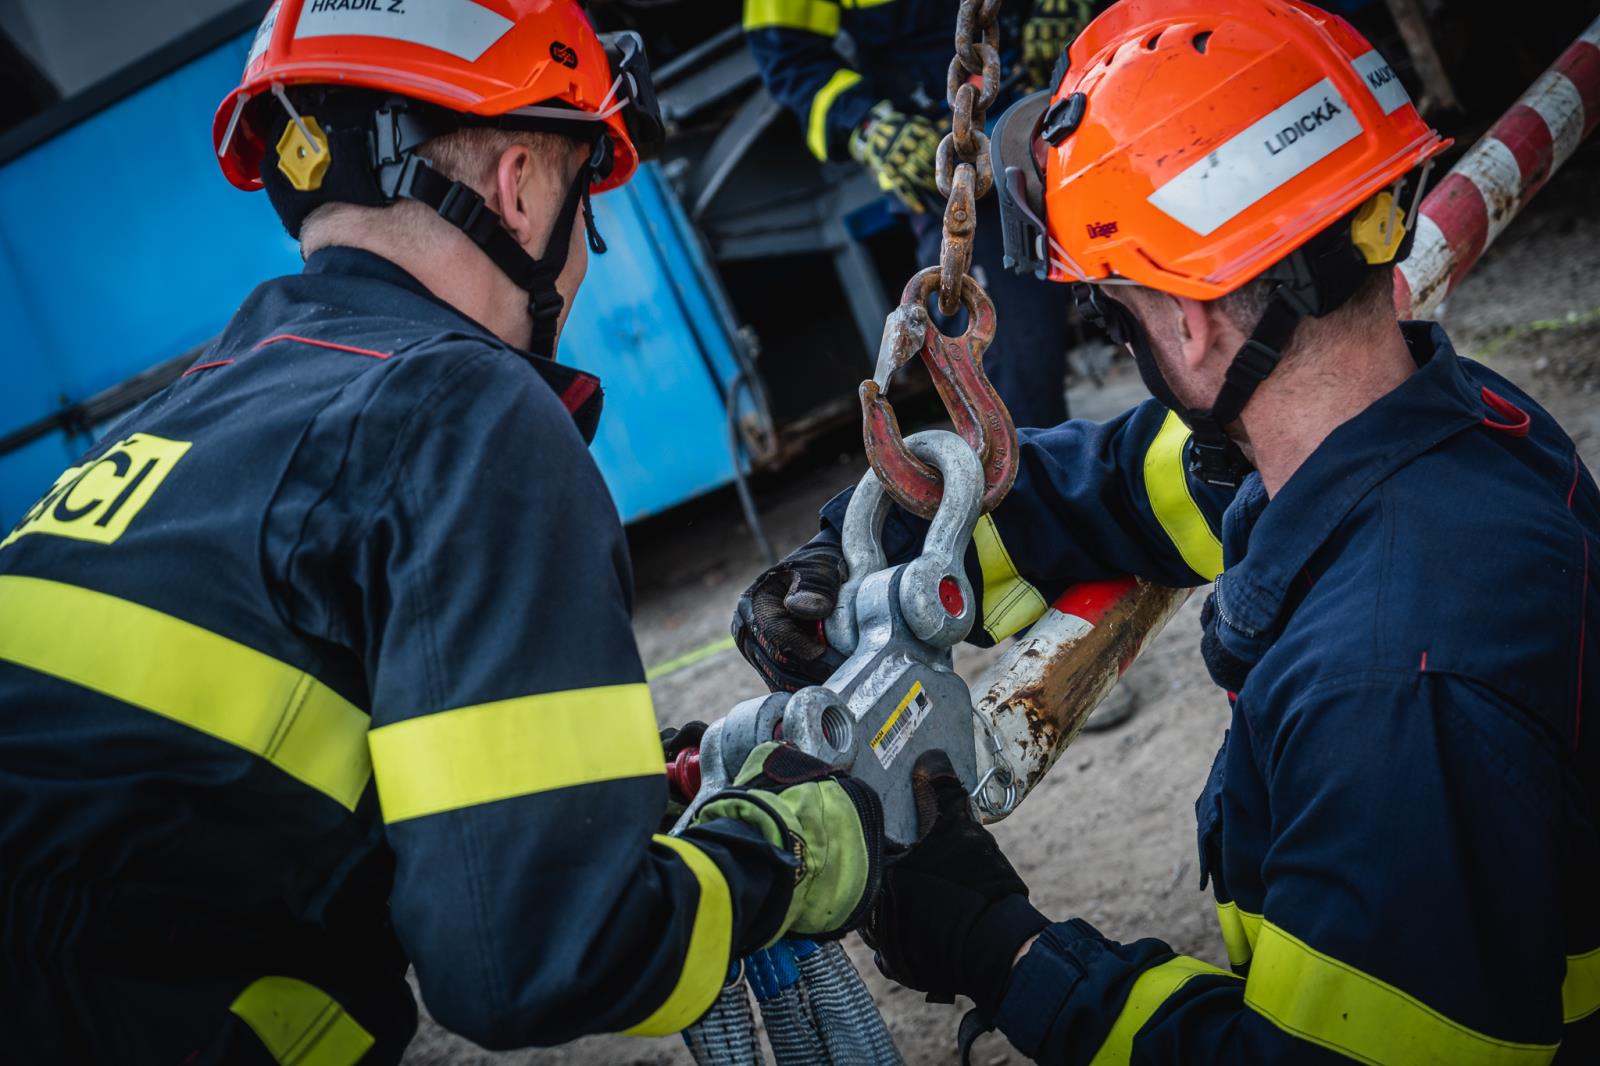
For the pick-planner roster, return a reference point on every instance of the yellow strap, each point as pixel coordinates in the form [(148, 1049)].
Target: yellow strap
[(1326, 1002), (1153, 988), (493, 751), (191, 675), (866, 3), (1166, 479), (1239, 931), (1580, 992), (1009, 601), (705, 963), (817, 125), (813, 16), (300, 1024)]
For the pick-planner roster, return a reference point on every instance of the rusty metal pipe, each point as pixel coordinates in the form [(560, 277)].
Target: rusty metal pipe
[(1032, 703)]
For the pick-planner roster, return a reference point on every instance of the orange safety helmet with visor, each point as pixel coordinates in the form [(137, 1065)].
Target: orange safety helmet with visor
[(376, 79), (1191, 146)]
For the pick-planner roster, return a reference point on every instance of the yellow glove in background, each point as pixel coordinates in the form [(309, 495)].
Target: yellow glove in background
[(1053, 25), (902, 151)]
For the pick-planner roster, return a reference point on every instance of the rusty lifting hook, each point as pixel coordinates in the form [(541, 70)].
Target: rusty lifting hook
[(956, 366), (954, 363)]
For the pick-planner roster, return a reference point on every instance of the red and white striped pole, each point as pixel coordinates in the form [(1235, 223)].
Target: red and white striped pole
[(1467, 210)]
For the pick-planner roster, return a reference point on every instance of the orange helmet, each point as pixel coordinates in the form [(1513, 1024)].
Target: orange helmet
[(489, 59), (1192, 144), (378, 79)]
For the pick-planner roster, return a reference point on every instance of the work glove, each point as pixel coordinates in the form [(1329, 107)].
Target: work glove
[(777, 624), (953, 912), (1053, 25), (902, 151), (829, 823)]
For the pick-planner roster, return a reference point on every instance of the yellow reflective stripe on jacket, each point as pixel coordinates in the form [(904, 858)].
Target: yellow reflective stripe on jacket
[(817, 122), (1166, 479), (300, 1024), (814, 16), (1153, 988), (1322, 1000), (494, 751), (1580, 992), (1009, 601), (190, 675), (705, 963), (1239, 931)]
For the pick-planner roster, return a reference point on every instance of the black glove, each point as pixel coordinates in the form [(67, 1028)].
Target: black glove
[(778, 622), (953, 913)]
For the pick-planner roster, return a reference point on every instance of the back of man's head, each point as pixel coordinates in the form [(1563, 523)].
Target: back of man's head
[(471, 156)]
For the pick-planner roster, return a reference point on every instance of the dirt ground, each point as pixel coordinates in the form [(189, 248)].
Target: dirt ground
[(1109, 836)]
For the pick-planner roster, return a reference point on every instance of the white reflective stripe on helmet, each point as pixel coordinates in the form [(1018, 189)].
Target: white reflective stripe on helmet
[(1275, 148), (462, 28), (1383, 82)]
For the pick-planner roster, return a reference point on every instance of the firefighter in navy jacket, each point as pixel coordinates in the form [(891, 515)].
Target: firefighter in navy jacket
[(319, 663), (1401, 827)]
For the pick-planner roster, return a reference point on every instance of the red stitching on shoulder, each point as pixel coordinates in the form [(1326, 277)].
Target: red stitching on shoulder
[(1517, 420), (322, 344), (205, 366), (578, 393)]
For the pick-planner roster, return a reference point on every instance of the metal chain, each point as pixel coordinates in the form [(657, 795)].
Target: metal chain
[(964, 170)]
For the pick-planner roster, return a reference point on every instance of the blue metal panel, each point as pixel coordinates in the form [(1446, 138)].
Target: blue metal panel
[(136, 249), (124, 246), (663, 438)]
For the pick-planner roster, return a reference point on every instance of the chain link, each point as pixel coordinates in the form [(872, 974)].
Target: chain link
[(964, 171)]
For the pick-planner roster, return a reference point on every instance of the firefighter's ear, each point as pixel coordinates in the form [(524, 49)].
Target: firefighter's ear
[(521, 196), (1196, 326)]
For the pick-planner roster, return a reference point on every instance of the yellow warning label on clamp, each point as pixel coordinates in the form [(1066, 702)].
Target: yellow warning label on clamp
[(97, 500), (892, 737)]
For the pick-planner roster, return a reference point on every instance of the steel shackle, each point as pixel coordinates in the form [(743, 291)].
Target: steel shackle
[(935, 596)]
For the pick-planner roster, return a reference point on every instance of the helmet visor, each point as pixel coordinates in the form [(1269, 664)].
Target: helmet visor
[(630, 68), (1015, 149)]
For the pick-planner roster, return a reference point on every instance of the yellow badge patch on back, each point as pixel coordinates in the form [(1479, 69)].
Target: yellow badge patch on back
[(97, 500)]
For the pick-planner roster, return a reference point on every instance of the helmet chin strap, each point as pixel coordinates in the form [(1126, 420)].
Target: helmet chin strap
[(459, 205)]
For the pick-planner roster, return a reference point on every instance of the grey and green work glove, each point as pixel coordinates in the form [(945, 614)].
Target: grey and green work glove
[(1053, 25), (902, 151), (830, 824)]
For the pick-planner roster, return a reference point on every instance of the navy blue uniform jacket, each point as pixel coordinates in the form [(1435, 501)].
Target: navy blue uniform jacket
[(1401, 826), (320, 662)]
